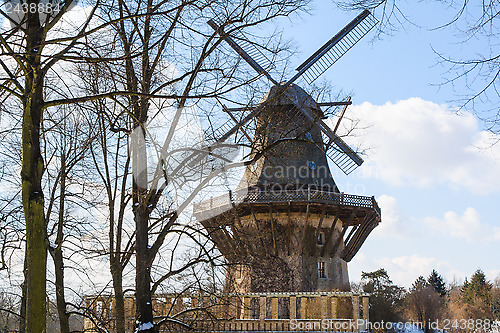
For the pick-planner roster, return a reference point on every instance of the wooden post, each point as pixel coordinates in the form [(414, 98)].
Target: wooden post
[(303, 307), (355, 310), (274, 308), (293, 307), (247, 307), (334, 303), (366, 311), (324, 306), (262, 314)]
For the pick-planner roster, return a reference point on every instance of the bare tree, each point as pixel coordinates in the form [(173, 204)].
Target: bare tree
[(111, 162), (201, 75), (27, 56), (31, 53), (423, 304), (65, 145)]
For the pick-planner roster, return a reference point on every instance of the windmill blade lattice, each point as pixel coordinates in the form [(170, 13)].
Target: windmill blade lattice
[(216, 134), (252, 50), (342, 160), (247, 50), (336, 47), (229, 127)]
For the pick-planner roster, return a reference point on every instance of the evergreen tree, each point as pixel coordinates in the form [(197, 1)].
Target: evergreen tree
[(477, 288), (476, 296), (437, 282), (419, 283)]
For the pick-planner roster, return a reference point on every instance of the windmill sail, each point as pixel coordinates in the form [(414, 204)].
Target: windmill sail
[(342, 160), (252, 50), (243, 53), (228, 128), (336, 47)]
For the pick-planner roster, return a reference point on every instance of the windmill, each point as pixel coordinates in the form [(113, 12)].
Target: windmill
[(301, 237), (335, 148)]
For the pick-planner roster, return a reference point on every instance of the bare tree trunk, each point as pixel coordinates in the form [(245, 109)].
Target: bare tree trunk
[(118, 258), (140, 106), (144, 311), (31, 177), (57, 253), (115, 264), (117, 276), (143, 273)]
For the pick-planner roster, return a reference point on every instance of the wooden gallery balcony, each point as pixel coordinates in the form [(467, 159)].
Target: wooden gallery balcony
[(250, 312), (358, 214)]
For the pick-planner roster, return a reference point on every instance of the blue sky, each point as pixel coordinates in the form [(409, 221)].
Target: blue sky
[(430, 167)]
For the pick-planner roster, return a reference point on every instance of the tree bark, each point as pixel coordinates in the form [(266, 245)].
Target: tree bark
[(143, 273), (119, 302), (144, 311), (57, 253), (31, 178), (117, 276)]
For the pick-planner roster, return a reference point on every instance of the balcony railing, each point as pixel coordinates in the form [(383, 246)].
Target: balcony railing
[(308, 195), (277, 312)]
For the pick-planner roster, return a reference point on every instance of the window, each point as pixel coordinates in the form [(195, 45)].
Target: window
[(321, 239), (98, 308), (308, 136), (312, 165), (321, 270)]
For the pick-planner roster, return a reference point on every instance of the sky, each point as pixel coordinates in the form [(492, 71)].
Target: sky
[(430, 165)]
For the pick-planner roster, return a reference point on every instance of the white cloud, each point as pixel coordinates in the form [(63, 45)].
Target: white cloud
[(467, 227), (394, 224), (405, 270), (493, 275), (421, 143)]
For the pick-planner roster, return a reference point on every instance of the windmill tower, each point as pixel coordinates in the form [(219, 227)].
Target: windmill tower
[(288, 227)]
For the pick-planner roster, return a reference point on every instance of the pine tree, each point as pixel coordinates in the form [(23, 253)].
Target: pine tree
[(419, 283), (477, 288), (476, 296), (437, 282)]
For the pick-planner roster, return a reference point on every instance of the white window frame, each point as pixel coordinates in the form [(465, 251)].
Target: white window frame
[(321, 270)]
